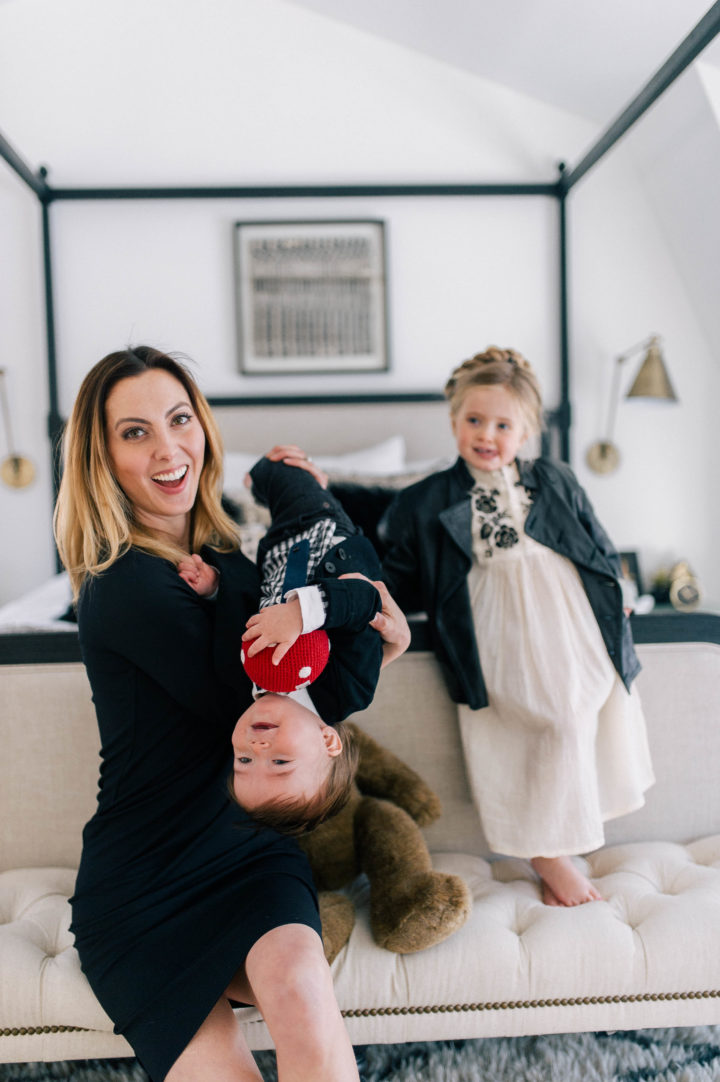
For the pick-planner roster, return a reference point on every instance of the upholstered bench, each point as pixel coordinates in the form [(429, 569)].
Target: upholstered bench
[(649, 955)]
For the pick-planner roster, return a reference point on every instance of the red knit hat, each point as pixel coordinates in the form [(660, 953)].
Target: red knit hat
[(303, 663)]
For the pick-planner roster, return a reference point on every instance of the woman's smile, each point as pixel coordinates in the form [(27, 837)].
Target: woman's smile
[(173, 479)]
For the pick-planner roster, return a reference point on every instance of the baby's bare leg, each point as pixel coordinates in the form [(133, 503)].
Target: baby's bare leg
[(563, 884)]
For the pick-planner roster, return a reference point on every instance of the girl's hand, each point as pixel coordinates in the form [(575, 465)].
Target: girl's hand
[(292, 455), (202, 577), (390, 622), (277, 625)]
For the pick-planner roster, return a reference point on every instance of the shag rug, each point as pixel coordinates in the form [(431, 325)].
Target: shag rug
[(659, 1055)]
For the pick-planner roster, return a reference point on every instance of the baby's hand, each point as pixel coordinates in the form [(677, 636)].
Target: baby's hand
[(292, 455), (201, 576), (277, 625)]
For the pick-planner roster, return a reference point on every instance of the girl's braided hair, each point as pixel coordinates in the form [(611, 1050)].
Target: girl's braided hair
[(504, 367)]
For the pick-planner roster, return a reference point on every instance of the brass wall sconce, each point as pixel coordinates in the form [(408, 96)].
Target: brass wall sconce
[(652, 381), (16, 470)]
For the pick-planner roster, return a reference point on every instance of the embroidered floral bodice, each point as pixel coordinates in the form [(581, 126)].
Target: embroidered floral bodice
[(500, 504)]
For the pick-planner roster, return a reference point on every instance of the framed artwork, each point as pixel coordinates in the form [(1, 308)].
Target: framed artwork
[(311, 296), (631, 569)]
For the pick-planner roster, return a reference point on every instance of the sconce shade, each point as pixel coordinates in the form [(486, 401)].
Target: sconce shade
[(652, 381)]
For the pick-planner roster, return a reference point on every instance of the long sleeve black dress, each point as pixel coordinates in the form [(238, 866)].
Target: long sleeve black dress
[(175, 884)]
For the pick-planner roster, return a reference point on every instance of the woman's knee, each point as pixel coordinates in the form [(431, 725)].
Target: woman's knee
[(288, 971)]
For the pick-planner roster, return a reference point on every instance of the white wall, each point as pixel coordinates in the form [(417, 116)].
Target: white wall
[(260, 91), (625, 287)]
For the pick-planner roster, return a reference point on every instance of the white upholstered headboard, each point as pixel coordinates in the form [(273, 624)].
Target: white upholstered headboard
[(336, 425)]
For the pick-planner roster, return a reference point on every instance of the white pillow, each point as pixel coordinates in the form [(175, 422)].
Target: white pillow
[(40, 609), (382, 458), (236, 465)]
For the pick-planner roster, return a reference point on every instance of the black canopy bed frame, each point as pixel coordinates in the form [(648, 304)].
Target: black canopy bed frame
[(16, 648), (559, 418)]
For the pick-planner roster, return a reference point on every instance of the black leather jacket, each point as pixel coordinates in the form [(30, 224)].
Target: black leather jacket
[(427, 531)]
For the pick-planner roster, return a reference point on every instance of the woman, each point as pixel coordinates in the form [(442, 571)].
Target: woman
[(177, 909)]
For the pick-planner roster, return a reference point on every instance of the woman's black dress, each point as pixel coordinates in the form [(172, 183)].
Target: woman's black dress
[(174, 885)]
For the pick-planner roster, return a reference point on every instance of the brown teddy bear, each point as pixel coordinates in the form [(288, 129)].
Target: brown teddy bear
[(378, 833)]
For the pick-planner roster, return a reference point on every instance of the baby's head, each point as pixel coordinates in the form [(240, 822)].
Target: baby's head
[(495, 405), (291, 771)]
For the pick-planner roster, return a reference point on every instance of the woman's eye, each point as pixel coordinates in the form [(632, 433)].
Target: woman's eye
[(181, 418), (133, 433)]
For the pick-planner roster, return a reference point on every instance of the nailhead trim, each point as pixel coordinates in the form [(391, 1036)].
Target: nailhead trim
[(36, 1031), (441, 1008), (459, 1008)]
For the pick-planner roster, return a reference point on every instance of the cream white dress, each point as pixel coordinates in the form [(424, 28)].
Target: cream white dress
[(562, 745)]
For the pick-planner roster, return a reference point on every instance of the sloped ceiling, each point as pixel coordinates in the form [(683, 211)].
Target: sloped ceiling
[(592, 59), (586, 57)]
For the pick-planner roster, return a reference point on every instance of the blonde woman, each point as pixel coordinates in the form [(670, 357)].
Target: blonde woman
[(178, 911)]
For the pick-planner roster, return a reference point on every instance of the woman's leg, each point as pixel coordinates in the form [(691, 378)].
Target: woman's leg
[(290, 982), (218, 1051)]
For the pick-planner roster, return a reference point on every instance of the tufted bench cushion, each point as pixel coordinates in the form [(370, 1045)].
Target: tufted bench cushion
[(45, 1001), (640, 959), (518, 966)]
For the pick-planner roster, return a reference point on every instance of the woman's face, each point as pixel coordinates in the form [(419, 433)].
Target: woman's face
[(156, 445)]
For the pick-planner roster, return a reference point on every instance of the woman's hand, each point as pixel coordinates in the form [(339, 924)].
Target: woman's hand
[(292, 455), (390, 622), (277, 625)]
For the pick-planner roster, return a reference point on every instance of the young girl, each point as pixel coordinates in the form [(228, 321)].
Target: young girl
[(521, 587)]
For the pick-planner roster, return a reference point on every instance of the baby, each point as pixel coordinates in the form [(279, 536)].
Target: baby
[(294, 761)]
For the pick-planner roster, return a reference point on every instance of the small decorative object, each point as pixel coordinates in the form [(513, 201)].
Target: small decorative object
[(16, 470), (634, 597), (676, 586), (652, 381), (631, 570), (311, 296), (684, 588)]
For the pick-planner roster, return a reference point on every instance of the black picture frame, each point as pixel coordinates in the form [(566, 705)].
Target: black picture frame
[(631, 569), (311, 296)]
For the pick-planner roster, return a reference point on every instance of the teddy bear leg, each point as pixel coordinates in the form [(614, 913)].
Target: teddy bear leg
[(411, 906), (337, 914)]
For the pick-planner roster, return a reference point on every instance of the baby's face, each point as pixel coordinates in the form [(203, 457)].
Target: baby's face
[(281, 751)]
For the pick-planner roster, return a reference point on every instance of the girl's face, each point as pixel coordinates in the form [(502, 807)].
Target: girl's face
[(489, 427), (156, 445)]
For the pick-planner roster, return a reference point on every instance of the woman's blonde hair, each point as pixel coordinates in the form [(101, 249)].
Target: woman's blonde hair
[(505, 367), (94, 521)]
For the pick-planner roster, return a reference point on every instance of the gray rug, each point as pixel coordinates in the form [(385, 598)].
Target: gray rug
[(662, 1055)]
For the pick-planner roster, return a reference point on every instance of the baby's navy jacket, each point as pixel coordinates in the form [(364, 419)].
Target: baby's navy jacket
[(296, 501)]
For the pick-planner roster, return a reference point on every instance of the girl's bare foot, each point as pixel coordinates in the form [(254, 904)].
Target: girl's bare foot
[(563, 884)]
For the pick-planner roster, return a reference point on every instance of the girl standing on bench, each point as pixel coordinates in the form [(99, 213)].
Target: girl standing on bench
[(179, 909), (521, 586)]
